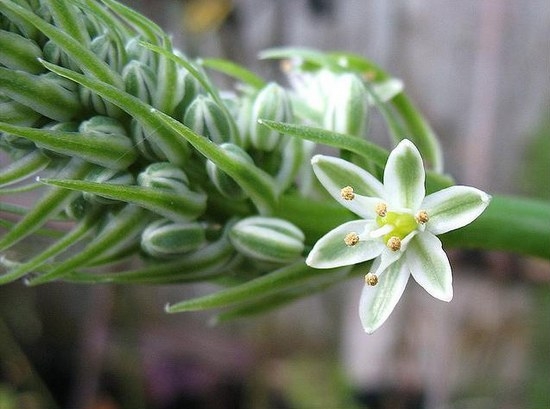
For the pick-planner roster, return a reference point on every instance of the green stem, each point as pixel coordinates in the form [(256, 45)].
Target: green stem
[(497, 228)]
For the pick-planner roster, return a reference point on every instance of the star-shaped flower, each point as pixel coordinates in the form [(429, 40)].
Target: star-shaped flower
[(398, 228)]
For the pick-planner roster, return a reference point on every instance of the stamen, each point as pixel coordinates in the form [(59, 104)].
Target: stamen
[(381, 209), (351, 239), (347, 193), (371, 279), (394, 243), (422, 217)]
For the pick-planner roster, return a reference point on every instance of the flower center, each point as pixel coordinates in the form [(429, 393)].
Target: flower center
[(396, 225)]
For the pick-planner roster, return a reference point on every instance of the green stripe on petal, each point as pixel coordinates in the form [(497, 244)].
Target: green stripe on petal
[(454, 207), (331, 250), (404, 176), (430, 266), (378, 302)]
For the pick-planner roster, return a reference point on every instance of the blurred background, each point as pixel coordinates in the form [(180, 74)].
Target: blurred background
[(480, 72)]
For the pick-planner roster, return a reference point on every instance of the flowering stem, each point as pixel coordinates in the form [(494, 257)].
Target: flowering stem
[(495, 229)]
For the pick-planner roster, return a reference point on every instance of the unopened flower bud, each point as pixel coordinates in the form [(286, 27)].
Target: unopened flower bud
[(139, 81), (164, 175), (267, 239), (347, 106), (205, 117), (223, 182), (165, 238), (272, 103), (20, 53), (106, 50)]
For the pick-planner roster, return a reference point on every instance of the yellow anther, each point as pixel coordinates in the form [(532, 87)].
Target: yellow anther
[(351, 239), (371, 279), (422, 217), (394, 243), (347, 193), (381, 209)]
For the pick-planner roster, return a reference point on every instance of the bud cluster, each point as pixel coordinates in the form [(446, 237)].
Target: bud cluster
[(98, 163)]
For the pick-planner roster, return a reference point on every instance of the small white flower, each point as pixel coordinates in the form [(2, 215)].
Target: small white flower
[(398, 228)]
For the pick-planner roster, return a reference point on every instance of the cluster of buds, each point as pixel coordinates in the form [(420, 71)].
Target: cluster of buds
[(128, 186)]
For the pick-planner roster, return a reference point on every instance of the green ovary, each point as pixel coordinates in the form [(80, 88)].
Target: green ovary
[(403, 224)]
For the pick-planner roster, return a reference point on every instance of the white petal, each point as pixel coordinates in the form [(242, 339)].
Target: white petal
[(404, 176), (430, 266), (377, 302), (454, 207), (386, 259), (335, 173), (331, 251)]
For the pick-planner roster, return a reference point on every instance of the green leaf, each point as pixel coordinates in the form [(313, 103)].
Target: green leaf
[(23, 168), (71, 238), (123, 227), (68, 20), (234, 70), (41, 93), (353, 144), (279, 299), (277, 280), (19, 53), (46, 207), (435, 181), (110, 151), (256, 183), (80, 53), (204, 264), (172, 205), (151, 31)]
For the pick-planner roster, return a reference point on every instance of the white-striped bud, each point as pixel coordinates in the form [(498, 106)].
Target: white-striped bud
[(347, 106), (267, 239), (223, 182), (165, 238), (205, 117), (164, 175), (273, 103)]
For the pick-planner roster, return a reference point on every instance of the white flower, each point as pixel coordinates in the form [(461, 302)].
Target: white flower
[(398, 228)]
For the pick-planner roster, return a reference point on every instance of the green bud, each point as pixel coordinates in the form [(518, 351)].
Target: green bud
[(139, 80), (191, 89), (164, 175), (267, 239), (15, 113), (223, 182), (78, 208), (20, 53), (205, 117), (97, 104), (104, 127), (54, 54), (165, 238), (347, 106), (135, 51), (273, 103), (104, 175), (145, 142), (106, 50), (48, 94)]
